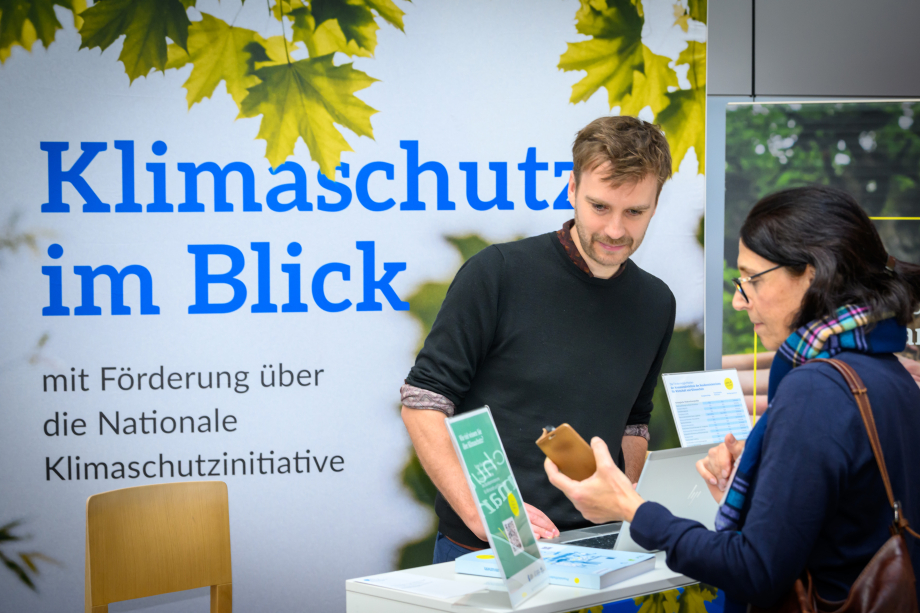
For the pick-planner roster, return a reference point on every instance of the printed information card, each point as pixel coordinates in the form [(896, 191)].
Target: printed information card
[(706, 406), (499, 502)]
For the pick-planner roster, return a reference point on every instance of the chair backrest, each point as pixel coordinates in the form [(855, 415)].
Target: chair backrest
[(156, 539)]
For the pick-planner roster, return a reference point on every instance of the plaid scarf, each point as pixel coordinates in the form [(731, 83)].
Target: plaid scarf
[(845, 330)]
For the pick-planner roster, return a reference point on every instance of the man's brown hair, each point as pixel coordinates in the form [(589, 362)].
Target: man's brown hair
[(634, 149)]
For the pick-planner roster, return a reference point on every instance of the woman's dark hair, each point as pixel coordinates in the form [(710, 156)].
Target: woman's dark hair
[(826, 228)]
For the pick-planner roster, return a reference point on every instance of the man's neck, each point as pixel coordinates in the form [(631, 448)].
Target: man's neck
[(598, 270)]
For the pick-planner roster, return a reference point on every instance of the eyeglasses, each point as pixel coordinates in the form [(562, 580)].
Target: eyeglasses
[(737, 281)]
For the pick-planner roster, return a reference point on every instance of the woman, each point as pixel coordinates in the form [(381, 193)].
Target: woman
[(817, 282)]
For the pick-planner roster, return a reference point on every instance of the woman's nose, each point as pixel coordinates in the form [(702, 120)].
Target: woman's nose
[(738, 301)]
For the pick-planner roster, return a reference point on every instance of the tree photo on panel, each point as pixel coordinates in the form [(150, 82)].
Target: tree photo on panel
[(21, 563), (869, 149), (296, 97)]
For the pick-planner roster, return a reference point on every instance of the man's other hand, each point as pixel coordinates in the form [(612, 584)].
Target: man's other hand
[(543, 526), (911, 366)]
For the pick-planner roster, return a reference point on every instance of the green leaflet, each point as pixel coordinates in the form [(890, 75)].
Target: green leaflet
[(683, 120), (695, 597), (348, 26), (682, 17), (355, 20), (27, 558), (326, 38), (302, 100), (639, 8), (217, 52), (426, 301), (145, 24), (662, 602), (699, 10), (683, 124), (388, 11), (612, 56), (651, 87), (22, 22), (695, 56)]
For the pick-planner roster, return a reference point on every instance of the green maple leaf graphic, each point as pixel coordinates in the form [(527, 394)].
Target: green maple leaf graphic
[(613, 54), (145, 24), (651, 87), (347, 26), (388, 11), (695, 597), (304, 99), (355, 20), (698, 10), (662, 602), (218, 52), (325, 38), (22, 22), (427, 299), (683, 120)]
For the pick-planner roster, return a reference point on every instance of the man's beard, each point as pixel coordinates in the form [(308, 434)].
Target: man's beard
[(595, 253)]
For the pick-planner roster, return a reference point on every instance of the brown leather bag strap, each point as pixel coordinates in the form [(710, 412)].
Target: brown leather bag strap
[(858, 388)]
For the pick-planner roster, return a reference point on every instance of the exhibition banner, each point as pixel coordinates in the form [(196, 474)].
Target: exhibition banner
[(226, 228)]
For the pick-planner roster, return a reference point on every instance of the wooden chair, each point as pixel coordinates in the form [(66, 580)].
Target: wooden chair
[(157, 539)]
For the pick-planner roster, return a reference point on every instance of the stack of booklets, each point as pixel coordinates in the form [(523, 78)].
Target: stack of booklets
[(569, 565)]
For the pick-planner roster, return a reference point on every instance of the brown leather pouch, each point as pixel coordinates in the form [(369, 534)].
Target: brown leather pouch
[(568, 451)]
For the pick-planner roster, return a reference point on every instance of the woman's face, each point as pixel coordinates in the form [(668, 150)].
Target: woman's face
[(774, 298)]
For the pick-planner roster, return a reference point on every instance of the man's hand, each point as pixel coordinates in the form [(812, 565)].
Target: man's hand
[(543, 527), (716, 467), (911, 366), (607, 495), (436, 453)]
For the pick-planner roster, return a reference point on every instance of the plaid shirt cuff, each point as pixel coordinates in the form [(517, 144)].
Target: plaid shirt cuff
[(418, 398), (637, 430)]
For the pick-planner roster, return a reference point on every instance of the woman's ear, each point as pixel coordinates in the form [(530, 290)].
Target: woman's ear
[(810, 273)]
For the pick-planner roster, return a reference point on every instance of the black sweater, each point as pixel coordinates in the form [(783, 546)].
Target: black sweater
[(818, 499), (526, 332)]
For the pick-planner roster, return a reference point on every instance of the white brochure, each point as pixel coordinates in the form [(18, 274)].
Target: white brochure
[(706, 406), (426, 586)]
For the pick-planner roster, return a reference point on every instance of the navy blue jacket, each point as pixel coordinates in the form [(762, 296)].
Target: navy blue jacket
[(818, 499)]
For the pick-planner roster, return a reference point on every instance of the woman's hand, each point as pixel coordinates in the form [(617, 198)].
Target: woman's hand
[(605, 496), (716, 467)]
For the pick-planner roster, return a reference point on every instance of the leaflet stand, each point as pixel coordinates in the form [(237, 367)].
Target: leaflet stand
[(499, 503)]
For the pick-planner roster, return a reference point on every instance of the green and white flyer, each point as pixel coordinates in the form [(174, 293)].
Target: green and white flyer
[(498, 499)]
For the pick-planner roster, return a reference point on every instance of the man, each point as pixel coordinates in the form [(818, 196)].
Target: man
[(556, 328)]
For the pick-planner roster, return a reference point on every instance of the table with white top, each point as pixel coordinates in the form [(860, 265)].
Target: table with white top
[(367, 598)]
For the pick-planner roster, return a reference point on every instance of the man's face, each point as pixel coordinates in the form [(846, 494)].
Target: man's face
[(610, 221)]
